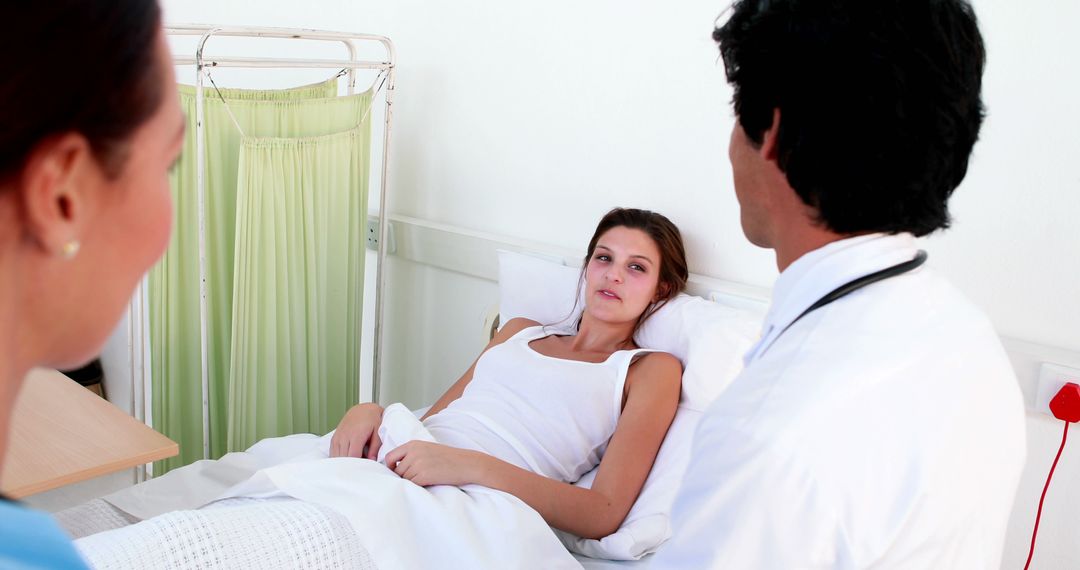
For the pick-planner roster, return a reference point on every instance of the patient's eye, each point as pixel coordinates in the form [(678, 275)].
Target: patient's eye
[(637, 267), (602, 257)]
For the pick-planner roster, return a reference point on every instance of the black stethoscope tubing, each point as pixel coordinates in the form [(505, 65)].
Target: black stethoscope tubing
[(854, 285)]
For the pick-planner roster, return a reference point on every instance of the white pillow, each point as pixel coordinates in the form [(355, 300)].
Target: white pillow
[(648, 524), (708, 338), (537, 289)]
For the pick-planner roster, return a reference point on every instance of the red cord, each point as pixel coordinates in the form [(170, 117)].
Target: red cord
[(1035, 532)]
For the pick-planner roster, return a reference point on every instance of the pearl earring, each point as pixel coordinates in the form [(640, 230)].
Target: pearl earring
[(70, 249)]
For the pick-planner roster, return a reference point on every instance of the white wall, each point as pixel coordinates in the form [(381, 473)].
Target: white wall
[(1015, 248), (532, 119), (116, 366)]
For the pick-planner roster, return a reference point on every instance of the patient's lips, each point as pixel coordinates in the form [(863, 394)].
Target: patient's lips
[(608, 294)]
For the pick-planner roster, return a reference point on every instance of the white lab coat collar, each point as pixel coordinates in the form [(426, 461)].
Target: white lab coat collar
[(822, 270)]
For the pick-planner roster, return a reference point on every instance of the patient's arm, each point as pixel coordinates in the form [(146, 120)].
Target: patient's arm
[(653, 396), (357, 434)]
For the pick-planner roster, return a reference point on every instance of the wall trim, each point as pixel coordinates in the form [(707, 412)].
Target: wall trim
[(473, 253)]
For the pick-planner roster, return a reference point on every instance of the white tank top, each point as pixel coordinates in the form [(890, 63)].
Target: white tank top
[(549, 415)]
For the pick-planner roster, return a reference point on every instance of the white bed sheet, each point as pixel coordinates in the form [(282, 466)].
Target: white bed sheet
[(475, 524), (204, 481), (603, 564), (99, 516)]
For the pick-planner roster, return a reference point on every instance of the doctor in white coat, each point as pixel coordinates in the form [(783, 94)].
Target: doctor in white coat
[(877, 423)]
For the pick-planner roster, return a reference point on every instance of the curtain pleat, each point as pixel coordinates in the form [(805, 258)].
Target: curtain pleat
[(301, 207), (308, 111)]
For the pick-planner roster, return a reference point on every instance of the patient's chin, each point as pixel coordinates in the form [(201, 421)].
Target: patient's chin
[(612, 312)]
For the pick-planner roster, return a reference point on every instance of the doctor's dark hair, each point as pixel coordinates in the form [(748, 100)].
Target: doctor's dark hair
[(672, 268), (83, 66), (879, 102)]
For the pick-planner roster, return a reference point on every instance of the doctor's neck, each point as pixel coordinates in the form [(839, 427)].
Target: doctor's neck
[(787, 252), (798, 233)]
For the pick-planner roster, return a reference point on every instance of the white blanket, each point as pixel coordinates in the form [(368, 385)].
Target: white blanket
[(401, 524)]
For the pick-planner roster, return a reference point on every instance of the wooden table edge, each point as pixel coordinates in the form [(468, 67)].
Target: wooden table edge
[(96, 471)]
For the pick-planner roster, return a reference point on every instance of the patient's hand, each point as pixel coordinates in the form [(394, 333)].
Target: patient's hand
[(426, 463), (359, 429)]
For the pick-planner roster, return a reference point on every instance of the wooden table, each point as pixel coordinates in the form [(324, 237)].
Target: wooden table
[(62, 433)]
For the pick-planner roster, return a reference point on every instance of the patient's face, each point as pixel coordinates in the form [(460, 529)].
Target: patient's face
[(622, 275)]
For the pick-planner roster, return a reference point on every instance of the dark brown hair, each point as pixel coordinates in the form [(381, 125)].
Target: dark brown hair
[(880, 103), (85, 66), (668, 239)]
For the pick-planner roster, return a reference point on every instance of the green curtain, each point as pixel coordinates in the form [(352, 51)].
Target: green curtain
[(173, 286), (284, 118), (301, 208)]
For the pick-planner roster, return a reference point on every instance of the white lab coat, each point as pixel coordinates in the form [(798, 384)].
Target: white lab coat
[(884, 430)]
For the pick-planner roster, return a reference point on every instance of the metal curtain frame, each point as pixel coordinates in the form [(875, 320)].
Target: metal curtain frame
[(202, 62)]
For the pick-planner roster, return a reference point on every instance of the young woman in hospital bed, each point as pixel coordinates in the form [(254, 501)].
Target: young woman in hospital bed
[(517, 418), (539, 408)]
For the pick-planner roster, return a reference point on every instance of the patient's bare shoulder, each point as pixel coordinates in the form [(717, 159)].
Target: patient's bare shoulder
[(511, 328), (660, 361), (653, 367)]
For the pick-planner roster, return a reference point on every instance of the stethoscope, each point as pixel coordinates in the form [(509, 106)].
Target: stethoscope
[(854, 285)]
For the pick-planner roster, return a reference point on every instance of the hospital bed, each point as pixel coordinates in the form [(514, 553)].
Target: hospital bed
[(188, 542), (708, 337)]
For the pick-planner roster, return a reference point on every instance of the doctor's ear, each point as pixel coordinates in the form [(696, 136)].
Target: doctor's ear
[(55, 192), (770, 138)]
